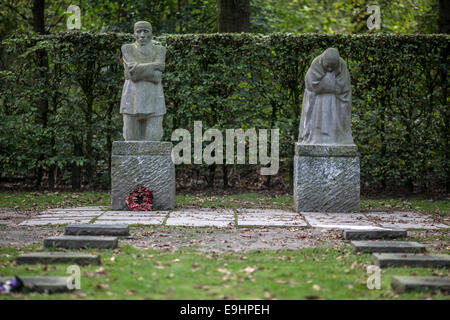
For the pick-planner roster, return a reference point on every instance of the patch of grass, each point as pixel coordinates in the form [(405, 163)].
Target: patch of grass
[(47, 200), (436, 207), (243, 200), (131, 273)]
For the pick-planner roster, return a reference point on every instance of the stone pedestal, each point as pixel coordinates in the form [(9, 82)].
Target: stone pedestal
[(146, 163), (326, 178)]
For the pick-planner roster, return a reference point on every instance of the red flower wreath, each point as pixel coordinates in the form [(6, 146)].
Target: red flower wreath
[(140, 199)]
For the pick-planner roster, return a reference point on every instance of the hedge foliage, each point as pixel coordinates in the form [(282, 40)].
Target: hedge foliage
[(60, 98)]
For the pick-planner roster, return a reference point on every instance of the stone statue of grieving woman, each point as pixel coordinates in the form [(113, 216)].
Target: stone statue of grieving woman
[(327, 102), (142, 105)]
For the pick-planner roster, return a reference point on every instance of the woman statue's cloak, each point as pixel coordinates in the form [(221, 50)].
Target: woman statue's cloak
[(327, 103)]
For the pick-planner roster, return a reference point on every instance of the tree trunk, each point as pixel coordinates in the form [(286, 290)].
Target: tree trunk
[(234, 15), (2, 63), (180, 16), (89, 142), (39, 27), (225, 175), (444, 16), (52, 168), (38, 16), (51, 178), (76, 169), (446, 116), (211, 176)]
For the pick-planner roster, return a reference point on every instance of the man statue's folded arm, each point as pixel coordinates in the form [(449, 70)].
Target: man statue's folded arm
[(145, 72)]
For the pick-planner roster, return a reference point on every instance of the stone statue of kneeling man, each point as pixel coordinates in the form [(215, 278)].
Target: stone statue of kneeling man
[(142, 104)]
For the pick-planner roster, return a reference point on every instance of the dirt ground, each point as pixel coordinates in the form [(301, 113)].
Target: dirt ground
[(233, 239), (204, 239)]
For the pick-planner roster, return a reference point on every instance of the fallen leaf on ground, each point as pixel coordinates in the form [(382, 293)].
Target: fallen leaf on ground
[(102, 286), (224, 271), (292, 283), (100, 270), (269, 296), (129, 292), (249, 270)]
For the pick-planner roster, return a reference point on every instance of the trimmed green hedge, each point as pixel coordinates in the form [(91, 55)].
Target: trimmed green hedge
[(61, 95)]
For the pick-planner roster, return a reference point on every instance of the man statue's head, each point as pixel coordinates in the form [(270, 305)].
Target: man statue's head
[(143, 32), (330, 59)]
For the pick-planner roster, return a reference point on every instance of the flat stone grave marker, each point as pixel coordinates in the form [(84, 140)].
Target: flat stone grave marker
[(408, 284), (404, 220), (58, 257), (384, 260), (43, 284), (54, 221), (388, 246), (63, 216), (357, 221), (132, 217), (369, 234), (70, 215), (372, 220), (220, 218), (269, 217), (79, 242), (97, 230)]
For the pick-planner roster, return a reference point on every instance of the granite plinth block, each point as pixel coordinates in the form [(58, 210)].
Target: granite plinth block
[(146, 163), (326, 178)]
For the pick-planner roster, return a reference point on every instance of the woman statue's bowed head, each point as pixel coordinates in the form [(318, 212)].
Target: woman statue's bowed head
[(327, 102)]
